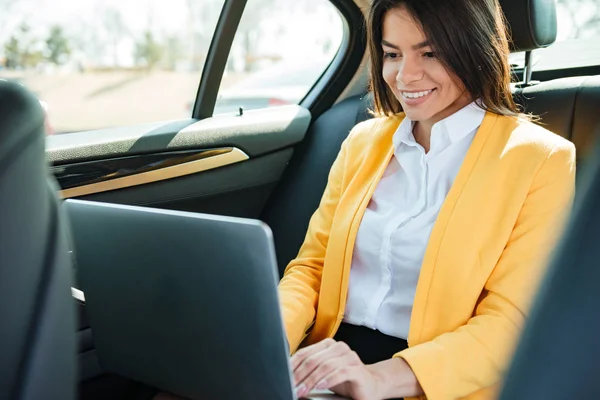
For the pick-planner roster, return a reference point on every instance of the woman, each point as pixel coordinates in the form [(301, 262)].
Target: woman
[(420, 263)]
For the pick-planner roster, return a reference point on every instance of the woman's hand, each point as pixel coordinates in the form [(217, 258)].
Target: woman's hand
[(334, 366)]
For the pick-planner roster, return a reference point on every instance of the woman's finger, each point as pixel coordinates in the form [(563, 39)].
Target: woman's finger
[(338, 376), (336, 369), (306, 352), (324, 360), (324, 369), (312, 362)]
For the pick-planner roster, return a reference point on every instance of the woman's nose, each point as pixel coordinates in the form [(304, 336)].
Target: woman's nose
[(409, 71)]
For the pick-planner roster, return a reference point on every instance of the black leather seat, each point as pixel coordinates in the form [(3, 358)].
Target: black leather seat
[(37, 348), (567, 107)]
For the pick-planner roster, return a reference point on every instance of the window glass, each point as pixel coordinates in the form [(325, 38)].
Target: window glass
[(577, 43), (106, 63), (281, 49)]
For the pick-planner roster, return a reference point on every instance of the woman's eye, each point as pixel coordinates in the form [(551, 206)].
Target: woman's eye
[(390, 55), (429, 54)]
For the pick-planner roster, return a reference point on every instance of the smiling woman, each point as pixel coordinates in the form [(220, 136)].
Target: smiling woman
[(445, 80), (460, 67), (419, 264)]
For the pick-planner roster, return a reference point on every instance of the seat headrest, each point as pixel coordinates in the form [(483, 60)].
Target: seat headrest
[(532, 23)]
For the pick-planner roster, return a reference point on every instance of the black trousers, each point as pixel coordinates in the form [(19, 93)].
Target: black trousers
[(371, 346)]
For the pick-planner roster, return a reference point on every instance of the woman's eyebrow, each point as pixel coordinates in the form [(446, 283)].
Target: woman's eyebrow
[(421, 45), (414, 47), (388, 44)]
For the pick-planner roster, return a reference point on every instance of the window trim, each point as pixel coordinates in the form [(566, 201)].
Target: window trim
[(328, 87), (216, 59), (345, 63)]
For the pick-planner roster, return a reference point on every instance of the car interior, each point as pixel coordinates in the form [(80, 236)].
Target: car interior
[(268, 164)]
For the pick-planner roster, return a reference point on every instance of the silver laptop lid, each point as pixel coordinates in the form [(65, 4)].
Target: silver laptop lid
[(183, 302)]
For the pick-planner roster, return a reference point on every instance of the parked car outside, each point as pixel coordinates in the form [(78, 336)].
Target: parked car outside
[(286, 82)]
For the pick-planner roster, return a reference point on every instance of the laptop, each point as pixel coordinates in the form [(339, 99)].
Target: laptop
[(183, 302)]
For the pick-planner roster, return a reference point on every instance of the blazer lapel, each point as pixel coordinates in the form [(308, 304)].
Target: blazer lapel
[(443, 228), (341, 244), (371, 175)]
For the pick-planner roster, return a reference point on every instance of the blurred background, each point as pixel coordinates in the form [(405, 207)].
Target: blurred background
[(104, 63)]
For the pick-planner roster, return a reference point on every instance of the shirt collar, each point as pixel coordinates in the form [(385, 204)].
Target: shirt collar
[(462, 122), (445, 132)]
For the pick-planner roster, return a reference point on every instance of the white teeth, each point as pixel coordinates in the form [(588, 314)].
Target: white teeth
[(416, 95)]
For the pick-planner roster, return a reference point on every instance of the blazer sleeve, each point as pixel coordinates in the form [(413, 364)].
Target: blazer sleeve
[(300, 285), (474, 356)]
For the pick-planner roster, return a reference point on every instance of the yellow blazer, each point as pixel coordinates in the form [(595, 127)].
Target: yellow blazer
[(482, 264)]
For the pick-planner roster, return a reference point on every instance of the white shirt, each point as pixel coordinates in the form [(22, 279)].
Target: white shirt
[(395, 228)]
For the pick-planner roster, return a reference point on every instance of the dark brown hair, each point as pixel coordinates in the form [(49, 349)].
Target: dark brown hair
[(470, 40)]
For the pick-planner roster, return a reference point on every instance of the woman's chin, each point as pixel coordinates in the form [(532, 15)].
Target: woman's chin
[(415, 115)]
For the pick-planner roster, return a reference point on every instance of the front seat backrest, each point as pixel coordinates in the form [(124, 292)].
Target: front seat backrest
[(37, 348)]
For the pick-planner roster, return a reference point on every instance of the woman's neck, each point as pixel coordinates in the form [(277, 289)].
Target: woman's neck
[(422, 134), (422, 129)]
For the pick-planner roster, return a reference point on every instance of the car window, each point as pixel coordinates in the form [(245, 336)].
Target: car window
[(280, 50), (577, 43), (106, 63)]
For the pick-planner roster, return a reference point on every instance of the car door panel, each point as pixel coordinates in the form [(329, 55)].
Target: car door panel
[(152, 165), (256, 132), (218, 190), (98, 176)]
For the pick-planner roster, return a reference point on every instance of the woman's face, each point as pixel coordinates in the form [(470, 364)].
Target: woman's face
[(425, 89)]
